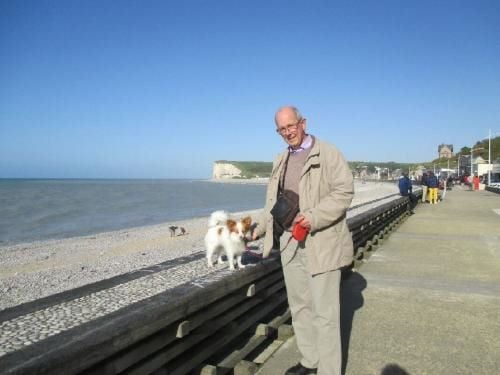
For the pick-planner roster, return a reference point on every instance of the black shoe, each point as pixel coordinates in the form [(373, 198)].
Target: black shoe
[(298, 369)]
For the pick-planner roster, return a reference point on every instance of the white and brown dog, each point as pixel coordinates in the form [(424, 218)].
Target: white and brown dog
[(227, 236)]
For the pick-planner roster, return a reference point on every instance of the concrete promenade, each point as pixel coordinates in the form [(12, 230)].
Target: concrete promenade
[(428, 299)]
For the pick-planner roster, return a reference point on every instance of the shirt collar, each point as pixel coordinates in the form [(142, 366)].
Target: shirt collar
[(306, 143)]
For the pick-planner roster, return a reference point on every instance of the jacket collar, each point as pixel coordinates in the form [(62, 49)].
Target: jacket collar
[(312, 158), (306, 144)]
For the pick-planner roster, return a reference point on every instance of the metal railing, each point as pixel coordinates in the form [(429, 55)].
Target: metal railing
[(493, 189)]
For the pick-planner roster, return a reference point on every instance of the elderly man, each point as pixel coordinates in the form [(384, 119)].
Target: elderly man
[(318, 175)]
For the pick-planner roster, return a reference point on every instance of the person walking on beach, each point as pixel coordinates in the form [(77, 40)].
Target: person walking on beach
[(310, 182), (172, 230)]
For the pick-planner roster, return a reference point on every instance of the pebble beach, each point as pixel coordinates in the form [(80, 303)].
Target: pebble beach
[(29, 271)]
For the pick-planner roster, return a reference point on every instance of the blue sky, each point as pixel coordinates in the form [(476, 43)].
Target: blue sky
[(162, 89)]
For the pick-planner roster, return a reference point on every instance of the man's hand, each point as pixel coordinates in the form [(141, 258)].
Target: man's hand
[(302, 221)]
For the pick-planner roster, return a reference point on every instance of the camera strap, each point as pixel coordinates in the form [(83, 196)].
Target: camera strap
[(281, 186)]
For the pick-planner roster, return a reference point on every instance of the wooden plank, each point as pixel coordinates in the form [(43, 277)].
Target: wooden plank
[(185, 363), (245, 368), (186, 345), (162, 338), (268, 352), (238, 355)]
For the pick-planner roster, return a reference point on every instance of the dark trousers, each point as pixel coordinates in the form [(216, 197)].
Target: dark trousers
[(412, 200)]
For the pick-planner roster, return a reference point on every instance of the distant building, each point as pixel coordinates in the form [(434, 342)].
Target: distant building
[(383, 173), (479, 165), (419, 171), (361, 171), (445, 151)]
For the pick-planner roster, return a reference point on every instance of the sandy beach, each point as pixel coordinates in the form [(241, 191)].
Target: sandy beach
[(29, 271)]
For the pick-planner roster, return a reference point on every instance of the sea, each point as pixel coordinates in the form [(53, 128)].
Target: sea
[(35, 209)]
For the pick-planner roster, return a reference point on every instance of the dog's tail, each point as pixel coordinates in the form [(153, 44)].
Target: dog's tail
[(218, 218)]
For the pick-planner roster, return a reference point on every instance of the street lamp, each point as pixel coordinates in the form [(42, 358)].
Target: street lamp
[(471, 151), (489, 157), (464, 163)]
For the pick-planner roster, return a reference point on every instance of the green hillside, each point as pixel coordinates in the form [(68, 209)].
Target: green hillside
[(480, 148)]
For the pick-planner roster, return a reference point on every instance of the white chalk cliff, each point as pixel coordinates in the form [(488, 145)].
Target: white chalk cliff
[(223, 170)]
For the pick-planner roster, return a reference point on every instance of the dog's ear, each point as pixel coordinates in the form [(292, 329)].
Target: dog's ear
[(247, 222)]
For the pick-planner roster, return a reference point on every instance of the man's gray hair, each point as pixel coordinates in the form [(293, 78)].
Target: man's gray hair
[(295, 110)]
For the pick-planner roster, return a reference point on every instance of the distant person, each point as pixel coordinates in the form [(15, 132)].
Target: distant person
[(470, 181), (183, 231), (318, 184), (405, 189), (432, 188), (476, 182), (449, 183), (172, 229), (424, 187), (465, 180), (445, 187)]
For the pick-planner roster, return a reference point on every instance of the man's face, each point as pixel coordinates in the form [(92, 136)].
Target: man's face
[(292, 130)]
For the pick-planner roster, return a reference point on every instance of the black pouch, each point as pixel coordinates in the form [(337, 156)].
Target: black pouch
[(285, 209)]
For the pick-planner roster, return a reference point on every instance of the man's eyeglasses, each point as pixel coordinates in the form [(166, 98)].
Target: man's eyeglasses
[(288, 128)]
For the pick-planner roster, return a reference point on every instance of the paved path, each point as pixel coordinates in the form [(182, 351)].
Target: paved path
[(428, 300)]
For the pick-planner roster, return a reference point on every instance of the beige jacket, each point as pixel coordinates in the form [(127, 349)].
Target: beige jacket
[(326, 191)]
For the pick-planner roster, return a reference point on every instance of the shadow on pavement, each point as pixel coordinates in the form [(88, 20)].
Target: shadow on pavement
[(393, 369), (351, 299)]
